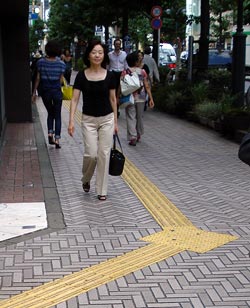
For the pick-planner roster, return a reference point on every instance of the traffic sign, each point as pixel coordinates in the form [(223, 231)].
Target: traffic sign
[(156, 23), (33, 16), (156, 11)]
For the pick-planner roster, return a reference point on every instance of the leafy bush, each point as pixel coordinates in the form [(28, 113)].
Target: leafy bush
[(209, 110), (199, 92), (159, 94), (163, 73), (174, 98), (210, 98), (219, 83)]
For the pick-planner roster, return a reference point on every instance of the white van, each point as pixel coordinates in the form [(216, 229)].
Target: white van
[(167, 54)]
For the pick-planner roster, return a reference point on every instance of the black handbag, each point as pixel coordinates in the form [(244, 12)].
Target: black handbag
[(117, 159), (244, 149)]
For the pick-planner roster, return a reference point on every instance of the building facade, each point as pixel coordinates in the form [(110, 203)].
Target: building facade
[(15, 92)]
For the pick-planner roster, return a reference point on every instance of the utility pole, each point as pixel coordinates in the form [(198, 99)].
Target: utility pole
[(239, 53)]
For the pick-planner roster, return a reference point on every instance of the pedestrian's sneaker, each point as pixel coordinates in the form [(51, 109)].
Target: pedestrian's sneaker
[(132, 142)]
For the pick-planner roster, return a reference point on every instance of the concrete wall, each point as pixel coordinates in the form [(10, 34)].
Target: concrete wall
[(15, 93), (2, 105)]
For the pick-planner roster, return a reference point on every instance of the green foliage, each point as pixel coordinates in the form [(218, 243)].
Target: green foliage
[(173, 20), (209, 110), (182, 97), (79, 17), (139, 27), (79, 64), (219, 83), (199, 92), (217, 6), (219, 26), (35, 34), (246, 12), (174, 98), (69, 19), (163, 72)]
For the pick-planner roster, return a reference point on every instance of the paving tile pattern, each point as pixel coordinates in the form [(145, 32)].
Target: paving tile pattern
[(20, 177), (199, 172)]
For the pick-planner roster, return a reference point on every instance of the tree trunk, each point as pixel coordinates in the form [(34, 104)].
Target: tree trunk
[(204, 37)]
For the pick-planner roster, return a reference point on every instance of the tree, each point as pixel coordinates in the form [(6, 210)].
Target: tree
[(246, 13), (174, 21), (36, 34), (78, 17), (221, 19), (68, 19)]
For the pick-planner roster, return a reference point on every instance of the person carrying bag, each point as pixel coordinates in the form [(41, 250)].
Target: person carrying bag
[(129, 82), (67, 90)]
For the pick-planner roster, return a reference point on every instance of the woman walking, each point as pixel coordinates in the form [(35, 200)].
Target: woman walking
[(67, 59), (99, 116), (50, 71), (134, 112)]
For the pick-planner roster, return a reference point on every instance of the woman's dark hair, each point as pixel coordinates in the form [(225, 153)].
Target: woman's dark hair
[(90, 46), (53, 49), (132, 58)]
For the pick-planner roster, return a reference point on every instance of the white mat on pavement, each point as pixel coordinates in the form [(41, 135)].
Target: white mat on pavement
[(21, 218)]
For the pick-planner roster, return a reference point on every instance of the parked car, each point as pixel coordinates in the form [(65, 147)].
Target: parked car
[(167, 58), (167, 55), (216, 58), (220, 59)]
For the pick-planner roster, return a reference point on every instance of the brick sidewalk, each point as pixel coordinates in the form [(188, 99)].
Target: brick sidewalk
[(20, 176), (194, 167)]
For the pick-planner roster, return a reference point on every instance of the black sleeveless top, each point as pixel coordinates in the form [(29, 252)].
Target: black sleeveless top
[(95, 94)]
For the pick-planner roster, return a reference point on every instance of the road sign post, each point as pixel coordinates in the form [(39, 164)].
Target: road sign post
[(156, 24)]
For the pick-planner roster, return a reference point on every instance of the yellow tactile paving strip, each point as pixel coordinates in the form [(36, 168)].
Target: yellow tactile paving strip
[(60, 290), (163, 210), (178, 235)]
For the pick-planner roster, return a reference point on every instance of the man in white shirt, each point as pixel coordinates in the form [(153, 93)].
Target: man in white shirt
[(117, 58), (117, 61)]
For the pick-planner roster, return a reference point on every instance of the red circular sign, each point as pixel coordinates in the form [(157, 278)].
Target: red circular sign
[(156, 23), (156, 11)]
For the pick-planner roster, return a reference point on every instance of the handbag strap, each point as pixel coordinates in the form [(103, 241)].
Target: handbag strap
[(129, 72), (115, 136)]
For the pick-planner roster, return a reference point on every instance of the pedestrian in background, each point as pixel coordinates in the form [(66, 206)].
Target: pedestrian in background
[(33, 70), (153, 68), (134, 112), (154, 75), (99, 116), (50, 71), (117, 62), (144, 66), (67, 59), (141, 62)]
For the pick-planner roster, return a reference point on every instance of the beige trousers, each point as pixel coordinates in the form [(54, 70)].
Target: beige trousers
[(97, 138)]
